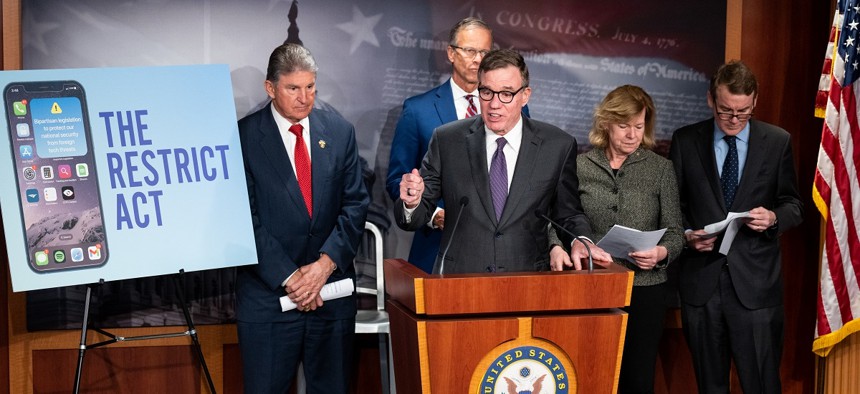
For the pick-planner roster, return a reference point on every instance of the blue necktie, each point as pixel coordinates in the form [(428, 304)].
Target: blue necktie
[(499, 178), (729, 177)]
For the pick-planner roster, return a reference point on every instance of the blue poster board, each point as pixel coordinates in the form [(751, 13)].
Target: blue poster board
[(120, 173)]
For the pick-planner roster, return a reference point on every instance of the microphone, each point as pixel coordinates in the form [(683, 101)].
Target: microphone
[(463, 202), (541, 215)]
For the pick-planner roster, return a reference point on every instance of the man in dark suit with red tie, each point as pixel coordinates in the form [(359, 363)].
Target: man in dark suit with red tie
[(308, 207), (732, 305)]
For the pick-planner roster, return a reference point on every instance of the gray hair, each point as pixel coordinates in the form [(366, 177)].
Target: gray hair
[(289, 58), (466, 23)]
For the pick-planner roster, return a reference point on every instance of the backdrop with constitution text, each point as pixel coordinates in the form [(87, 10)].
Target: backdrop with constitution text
[(373, 54)]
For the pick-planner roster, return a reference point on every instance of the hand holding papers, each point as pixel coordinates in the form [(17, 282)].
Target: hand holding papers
[(620, 241), (731, 225), (330, 291)]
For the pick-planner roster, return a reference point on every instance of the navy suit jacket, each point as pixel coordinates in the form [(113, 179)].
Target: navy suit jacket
[(544, 180), (286, 236), (768, 180), (420, 116)]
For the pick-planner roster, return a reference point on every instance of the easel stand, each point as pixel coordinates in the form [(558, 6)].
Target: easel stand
[(192, 332)]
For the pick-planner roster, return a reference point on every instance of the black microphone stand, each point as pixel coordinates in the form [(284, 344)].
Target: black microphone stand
[(463, 202)]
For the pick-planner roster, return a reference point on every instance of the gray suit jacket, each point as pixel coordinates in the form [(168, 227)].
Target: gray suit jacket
[(544, 180)]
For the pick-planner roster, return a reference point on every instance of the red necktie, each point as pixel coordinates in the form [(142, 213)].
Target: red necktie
[(303, 166), (471, 110)]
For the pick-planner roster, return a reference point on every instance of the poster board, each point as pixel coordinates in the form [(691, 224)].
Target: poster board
[(159, 146)]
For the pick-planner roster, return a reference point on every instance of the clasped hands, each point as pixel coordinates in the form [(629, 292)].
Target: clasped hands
[(304, 286), (760, 219)]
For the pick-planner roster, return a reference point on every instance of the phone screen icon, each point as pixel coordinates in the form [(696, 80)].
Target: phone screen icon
[(82, 170), (47, 172), (41, 258), (26, 152), (23, 130), (32, 195), (19, 108), (65, 171)]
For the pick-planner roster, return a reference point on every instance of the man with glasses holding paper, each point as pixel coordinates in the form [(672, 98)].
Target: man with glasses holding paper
[(494, 172), (732, 304)]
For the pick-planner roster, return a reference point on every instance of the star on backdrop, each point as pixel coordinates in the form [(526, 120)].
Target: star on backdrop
[(361, 29)]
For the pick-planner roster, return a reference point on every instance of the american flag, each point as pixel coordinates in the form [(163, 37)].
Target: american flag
[(836, 190)]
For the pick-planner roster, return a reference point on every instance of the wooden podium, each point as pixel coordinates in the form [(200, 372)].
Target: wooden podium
[(507, 333)]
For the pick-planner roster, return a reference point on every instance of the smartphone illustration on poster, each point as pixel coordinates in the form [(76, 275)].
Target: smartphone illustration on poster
[(58, 190)]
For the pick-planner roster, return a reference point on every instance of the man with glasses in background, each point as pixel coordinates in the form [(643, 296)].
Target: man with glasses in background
[(732, 304), (468, 42), (495, 171)]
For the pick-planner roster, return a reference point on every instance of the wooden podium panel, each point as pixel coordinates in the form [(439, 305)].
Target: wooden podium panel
[(443, 354), (427, 294), (460, 333), (593, 341)]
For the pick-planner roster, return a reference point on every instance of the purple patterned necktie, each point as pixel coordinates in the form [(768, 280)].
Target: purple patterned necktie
[(499, 178)]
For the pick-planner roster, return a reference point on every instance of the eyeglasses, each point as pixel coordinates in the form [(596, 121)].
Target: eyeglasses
[(729, 116), (470, 53), (505, 96)]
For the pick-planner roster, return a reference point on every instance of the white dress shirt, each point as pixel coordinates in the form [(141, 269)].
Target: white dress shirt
[(289, 138)]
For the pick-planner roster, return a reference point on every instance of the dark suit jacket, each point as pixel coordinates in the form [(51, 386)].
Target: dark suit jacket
[(768, 180), (420, 116), (544, 179), (286, 237)]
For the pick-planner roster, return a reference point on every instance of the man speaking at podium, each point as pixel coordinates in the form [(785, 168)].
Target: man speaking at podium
[(494, 172)]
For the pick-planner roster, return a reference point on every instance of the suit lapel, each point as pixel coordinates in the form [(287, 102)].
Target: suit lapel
[(445, 103), (477, 151), (321, 158), (526, 158), (273, 146), (705, 147)]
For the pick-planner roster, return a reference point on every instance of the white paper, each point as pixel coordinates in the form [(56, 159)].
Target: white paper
[(715, 228), (330, 291), (620, 241), (730, 225)]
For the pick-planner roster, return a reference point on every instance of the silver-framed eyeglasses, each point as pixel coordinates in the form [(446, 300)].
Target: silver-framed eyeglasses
[(470, 53), (729, 116), (505, 96)]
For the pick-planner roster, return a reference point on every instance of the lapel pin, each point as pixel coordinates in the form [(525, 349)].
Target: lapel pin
[(322, 144)]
